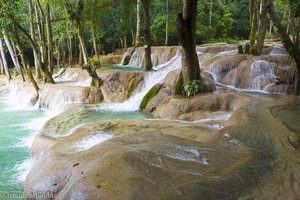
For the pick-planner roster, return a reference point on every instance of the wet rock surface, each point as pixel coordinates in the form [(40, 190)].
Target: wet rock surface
[(253, 157)]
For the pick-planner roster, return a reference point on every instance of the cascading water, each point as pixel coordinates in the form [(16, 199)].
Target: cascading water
[(262, 75), (124, 57), (136, 59), (151, 79)]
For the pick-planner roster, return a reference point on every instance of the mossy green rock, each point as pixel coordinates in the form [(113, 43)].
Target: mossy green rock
[(152, 93), (178, 86)]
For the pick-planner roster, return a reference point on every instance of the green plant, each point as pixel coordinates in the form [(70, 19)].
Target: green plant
[(94, 63), (192, 88), (15, 73)]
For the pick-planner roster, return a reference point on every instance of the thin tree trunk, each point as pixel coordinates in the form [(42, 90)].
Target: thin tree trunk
[(83, 46), (80, 56), (80, 26), (210, 12), (58, 55), (262, 28), (44, 52), (292, 49), (13, 55), (63, 55), (148, 63), (187, 31), (33, 45), (40, 30), (49, 39), (167, 23), (26, 66), (17, 60), (253, 24), (70, 49), (125, 41), (131, 31), (138, 23), (94, 38), (271, 26), (1, 65), (8, 77), (32, 34)]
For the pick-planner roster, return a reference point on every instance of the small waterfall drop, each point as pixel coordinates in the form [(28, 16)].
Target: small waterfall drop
[(136, 59), (262, 74), (151, 79), (125, 55)]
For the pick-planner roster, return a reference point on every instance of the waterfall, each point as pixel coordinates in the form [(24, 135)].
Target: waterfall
[(136, 59), (151, 79), (124, 57), (262, 74)]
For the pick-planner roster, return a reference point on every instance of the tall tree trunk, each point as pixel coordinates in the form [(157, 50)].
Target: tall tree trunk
[(187, 32), (41, 34), (210, 13), (49, 39), (94, 24), (12, 54), (80, 55), (32, 33), (262, 28), (26, 66), (82, 45), (43, 48), (34, 46), (58, 55), (70, 49), (292, 49), (1, 65), (253, 24), (138, 23), (167, 23), (63, 55), (125, 41), (94, 41), (80, 26), (8, 77), (17, 60), (148, 63)]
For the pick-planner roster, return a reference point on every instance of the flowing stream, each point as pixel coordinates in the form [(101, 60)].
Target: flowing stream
[(16, 130)]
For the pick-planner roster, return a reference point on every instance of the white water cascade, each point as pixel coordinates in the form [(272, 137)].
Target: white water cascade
[(262, 75), (124, 57), (151, 79), (136, 59)]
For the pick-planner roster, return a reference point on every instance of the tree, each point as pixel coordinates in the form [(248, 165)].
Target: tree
[(292, 48), (138, 23), (147, 34), (187, 32), (8, 77)]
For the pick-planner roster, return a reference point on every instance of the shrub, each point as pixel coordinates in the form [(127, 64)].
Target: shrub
[(15, 73), (192, 88)]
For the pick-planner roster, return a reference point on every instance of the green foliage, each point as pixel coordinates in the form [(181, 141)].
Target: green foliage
[(152, 93), (94, 63), (15, 73), (221, 40), (192, 88)]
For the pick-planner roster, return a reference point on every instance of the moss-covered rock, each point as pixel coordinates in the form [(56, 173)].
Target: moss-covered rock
[(132, 85), (111, 59), (147, 98), (178, 86)]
